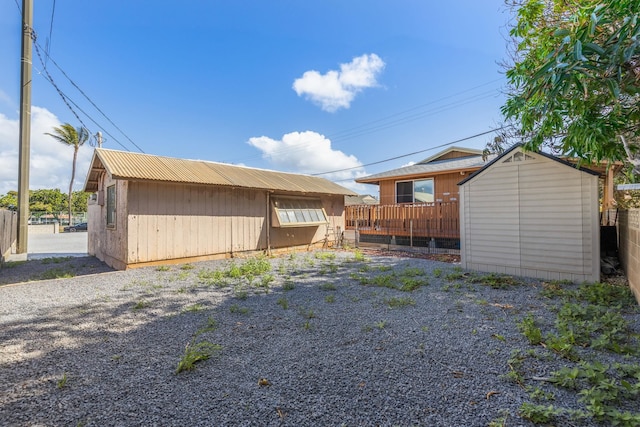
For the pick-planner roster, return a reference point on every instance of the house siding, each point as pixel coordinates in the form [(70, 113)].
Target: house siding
[(536, 218), (158, 222), (445, 187)]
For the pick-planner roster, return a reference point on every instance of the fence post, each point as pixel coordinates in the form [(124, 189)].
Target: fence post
[(411, 232)]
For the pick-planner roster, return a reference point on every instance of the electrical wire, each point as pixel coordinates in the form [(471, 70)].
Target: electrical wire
[(410, 154), (94, 104), (48, 43), (67, 100), (386, 123)]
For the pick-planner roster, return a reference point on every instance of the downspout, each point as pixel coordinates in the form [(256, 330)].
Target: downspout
[(268, 223)]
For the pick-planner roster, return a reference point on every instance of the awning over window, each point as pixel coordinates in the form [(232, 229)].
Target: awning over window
[(298, 212)]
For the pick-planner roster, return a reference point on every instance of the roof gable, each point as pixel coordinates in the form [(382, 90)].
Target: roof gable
[(517, 154), (144, 167), (452, 153)]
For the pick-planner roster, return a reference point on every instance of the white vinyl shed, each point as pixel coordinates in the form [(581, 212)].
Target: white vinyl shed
[(531, 214)]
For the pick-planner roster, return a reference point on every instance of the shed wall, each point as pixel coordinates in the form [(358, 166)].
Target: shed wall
[(534, 217), (158, 221)]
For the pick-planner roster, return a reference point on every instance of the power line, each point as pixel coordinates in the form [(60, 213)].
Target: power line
[(410, 154), (363, 129), (66, 99), (93, 103), (48, 44)]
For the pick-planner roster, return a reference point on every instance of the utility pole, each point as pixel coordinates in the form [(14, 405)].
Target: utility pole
[(25, 126)]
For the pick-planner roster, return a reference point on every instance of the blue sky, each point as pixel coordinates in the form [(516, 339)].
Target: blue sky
[(300, 86)]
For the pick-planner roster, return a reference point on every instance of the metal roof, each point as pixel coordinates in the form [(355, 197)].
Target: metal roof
[(439, 166), (626, 187), (144, 167)]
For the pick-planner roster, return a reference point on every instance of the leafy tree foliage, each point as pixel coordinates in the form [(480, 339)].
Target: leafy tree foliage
[(48, 200), (575, 78)]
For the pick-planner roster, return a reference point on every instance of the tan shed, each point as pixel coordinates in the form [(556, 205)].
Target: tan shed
[(150, 210), (531, 214)]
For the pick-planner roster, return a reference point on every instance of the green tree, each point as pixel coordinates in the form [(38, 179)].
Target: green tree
[(80, 200), (575, 77), (9, 201), (47, 200), (68, 135)]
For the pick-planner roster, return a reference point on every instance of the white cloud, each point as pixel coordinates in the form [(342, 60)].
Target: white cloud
[(309, 153), (50, 161), (336, 89)]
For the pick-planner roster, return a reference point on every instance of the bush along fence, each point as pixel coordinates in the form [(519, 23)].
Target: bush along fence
[(629, 247)]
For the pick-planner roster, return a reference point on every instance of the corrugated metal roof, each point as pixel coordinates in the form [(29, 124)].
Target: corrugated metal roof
[(439, 166), (145, 167), (628, 187)]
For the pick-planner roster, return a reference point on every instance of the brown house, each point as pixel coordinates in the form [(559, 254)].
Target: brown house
[(151, 210), (434, 179), (418, 203)]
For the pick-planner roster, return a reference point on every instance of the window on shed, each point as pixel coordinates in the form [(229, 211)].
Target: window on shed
[(111, 206), (294, 212), (419, 191)]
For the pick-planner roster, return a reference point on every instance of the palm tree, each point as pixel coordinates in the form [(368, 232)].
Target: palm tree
[(68, 135)]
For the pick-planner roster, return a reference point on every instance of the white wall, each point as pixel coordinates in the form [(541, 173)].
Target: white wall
[(534, 217)]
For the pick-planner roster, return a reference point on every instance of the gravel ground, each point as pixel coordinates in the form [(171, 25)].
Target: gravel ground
[(314, 348)]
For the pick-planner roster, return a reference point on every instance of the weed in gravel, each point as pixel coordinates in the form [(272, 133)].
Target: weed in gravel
[(399, 302), (328, 287), (240, 293), (57, 273), (163, 268), (307, 325), (187, 267), (236, 309), (62, 382), (326, 256), (282, 302), (330, 299), (210, 326), (197, 352), (193, 308), (529, 329), (181, 290), (501, 421), (12, 264), (309, 314), (590, 316), (381, 324), (55, 260), (358, 256), (211, 277), (288, 285), (141, 304), (437, 272), (265, 281)]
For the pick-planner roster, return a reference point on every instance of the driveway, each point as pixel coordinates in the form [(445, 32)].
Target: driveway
[(63, 244)]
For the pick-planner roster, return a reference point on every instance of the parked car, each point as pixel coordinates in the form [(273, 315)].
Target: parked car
[(78, 227)]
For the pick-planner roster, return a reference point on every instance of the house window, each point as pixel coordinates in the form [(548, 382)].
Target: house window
[(298, 212), (111, 206), (419, 191)]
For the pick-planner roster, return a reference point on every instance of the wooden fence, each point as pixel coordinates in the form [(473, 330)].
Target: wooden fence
[(8, 232), (431, 220), (629, 249)]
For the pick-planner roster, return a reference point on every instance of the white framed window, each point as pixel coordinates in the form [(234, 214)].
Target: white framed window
[(298, 212), (416, 191), (111, 206)]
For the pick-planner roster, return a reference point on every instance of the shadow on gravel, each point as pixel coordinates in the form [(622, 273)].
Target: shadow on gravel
[(323, 343), (51, 268)]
